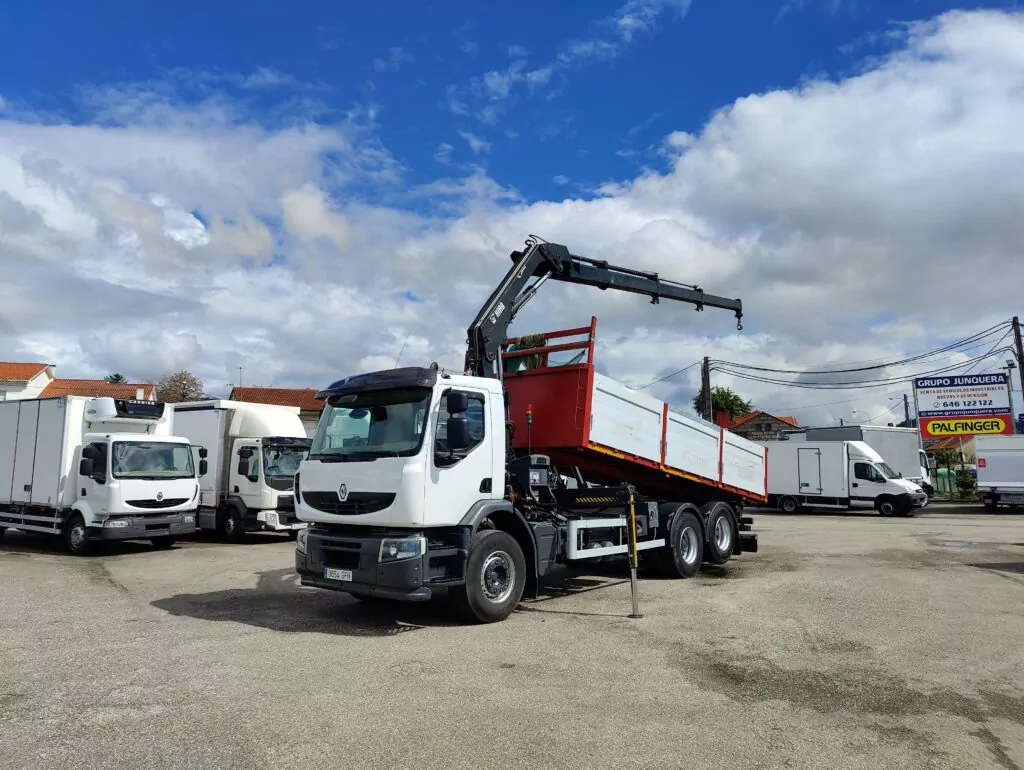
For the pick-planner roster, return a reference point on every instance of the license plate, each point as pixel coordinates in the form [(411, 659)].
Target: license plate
[(337, 574)]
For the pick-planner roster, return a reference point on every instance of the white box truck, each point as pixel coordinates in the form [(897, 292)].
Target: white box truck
[(841, 475), (1000, 466), (255, 450), (88, 469), (901, 448)]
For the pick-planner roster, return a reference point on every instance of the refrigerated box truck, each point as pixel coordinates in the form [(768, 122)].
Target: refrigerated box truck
[(255, 450), (1000, 466), (88, 469), (901, 448), (840, 475)]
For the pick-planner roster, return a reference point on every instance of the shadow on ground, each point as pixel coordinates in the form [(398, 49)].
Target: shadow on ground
[(26, 543)]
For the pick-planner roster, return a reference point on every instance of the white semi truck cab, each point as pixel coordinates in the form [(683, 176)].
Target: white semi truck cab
[(92, 469), (255, 451)]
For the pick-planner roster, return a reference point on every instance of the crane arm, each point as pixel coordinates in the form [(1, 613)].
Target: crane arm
[(544, 261)]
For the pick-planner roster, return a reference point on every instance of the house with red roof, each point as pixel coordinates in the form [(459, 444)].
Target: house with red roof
[(756, 426), (36, 380), (304, 398), (19, 380)]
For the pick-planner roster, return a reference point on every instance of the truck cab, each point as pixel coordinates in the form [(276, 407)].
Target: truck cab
[(261, 478)]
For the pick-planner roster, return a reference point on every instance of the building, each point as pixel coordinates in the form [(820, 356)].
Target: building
[(99, 388), (23, 380), (756, 426), (304, 398)]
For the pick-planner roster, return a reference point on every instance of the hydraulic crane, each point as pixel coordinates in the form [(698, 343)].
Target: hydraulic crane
[(544, 261)]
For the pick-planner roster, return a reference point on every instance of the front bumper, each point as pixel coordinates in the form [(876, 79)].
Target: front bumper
[(357, 555), (145, 527), (276, 521)]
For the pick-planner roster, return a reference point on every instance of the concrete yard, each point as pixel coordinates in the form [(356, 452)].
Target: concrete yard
[(847, 642)]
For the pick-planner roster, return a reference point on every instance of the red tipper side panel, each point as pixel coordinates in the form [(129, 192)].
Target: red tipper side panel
[(560, 397)]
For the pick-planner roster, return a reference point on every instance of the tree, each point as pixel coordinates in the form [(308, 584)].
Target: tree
[(723, 400), (178, 387), (116, 377)]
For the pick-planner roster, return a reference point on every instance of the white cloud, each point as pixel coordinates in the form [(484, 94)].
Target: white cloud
[(394, 60), (443, 153), (861, 219), (476, 144), (609, 38), (560, 179)]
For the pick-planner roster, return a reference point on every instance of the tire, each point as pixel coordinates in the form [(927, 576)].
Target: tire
[(789, 505), (887, 506), (495, 578), (74, 536), (229, 525), (990, 505), (2, 531), (683, 555), (164, 542), (721, 532)]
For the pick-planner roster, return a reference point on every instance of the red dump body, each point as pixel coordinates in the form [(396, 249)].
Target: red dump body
[(614, 433)]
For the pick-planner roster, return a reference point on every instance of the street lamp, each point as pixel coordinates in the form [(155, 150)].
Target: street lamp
[(854, 411)]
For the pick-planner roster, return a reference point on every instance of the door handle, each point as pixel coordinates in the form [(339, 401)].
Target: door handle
[(855, 483)]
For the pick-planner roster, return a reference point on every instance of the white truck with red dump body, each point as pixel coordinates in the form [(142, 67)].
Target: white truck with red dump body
[(420, 480)]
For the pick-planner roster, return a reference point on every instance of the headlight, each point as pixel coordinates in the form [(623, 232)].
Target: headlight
[(188, 518), (112, 523), (397, 548), (300, 540)]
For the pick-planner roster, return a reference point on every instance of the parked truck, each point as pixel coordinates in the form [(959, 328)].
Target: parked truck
[(421, 480), (901, 448), (256, 450), (88, 469), (1000, 468), (839, 475)]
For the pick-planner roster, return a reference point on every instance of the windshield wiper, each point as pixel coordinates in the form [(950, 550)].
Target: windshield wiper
[(348, 457)]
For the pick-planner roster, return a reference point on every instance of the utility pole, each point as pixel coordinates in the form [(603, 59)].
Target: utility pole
[(906, 409), (705, 386), (240, 375), (1020, 364)]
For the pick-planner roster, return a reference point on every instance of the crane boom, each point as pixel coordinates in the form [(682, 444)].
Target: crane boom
[(543, 261)]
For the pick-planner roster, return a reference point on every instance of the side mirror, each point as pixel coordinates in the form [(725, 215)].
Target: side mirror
[(245, 453), (203, 451), (90, 453), (86, 467), (204, 466), (458, 402), (458, 432)]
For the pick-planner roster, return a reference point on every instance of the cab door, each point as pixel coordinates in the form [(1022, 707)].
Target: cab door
[(248, 475), (866, 483)]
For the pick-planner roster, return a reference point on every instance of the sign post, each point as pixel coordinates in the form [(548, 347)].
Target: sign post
[(969, 405)]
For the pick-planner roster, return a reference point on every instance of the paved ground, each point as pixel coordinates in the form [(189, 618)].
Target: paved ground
[(847, 642)]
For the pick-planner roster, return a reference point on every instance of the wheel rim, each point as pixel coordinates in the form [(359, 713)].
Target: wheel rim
[(688, 545), (498, 577), (77, 536), (888, 508), (723, 534), (229, 525)]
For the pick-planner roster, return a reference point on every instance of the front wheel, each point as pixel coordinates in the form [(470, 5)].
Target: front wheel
[(887, 506), (74, 536), (495, 577), (229, 525)]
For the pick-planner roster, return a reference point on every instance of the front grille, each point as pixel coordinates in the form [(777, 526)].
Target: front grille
[(167, 502), (286, 503), (357, 503)]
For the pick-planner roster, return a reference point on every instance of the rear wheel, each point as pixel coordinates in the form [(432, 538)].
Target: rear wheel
[(789, 505), (683, 555), (229, 525), (721, 532), (74, 536), (495, 577)]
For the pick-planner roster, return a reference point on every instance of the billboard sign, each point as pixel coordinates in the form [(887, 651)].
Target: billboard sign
[(968, 405)]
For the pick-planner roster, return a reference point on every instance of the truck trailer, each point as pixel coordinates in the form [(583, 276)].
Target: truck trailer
[(1000, 466), (88, 469), (901, 448), (840, 475), (479, 483), (256, 450)]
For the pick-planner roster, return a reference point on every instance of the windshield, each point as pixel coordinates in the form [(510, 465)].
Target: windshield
[(151, 460), (283, 460), (888, 472), (376, 423)]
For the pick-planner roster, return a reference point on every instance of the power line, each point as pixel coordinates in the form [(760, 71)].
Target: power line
[(670, 376), (952, 346), (855, 384)]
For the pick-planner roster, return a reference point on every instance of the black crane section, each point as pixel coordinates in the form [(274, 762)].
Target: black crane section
[(543, 261)]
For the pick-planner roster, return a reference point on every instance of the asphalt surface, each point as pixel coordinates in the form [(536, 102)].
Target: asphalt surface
[(848, 641)]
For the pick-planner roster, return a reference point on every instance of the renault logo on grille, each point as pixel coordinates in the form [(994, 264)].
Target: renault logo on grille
[(343, 492), (159, 495)]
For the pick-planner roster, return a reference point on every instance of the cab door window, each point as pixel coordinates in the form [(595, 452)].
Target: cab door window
[(477, 431)]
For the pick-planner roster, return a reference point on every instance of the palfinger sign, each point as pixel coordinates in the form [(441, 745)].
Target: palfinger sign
[(968, 405)]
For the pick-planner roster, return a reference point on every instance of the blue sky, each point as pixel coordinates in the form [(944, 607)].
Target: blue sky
[(306, 189), (595, 118)]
